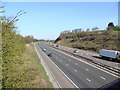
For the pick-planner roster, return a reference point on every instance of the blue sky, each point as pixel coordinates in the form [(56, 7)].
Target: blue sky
[(45, 20)]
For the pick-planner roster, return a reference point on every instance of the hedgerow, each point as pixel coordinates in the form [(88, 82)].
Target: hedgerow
[(13, 45)]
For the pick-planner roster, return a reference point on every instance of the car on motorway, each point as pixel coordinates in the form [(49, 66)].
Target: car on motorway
[(50, 54), (57, 45), (75, 51), (44, 50)]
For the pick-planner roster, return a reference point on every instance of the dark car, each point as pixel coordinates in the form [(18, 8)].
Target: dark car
[(50, 55), (75, 51), (57, 45)]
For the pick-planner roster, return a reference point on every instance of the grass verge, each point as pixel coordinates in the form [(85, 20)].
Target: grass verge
[(33, 73)]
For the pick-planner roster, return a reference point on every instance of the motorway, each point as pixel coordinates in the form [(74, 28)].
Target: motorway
[(90, 55), (82, 74)]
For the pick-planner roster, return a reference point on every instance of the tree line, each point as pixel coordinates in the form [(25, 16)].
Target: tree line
[(109, 27), (79, 30)]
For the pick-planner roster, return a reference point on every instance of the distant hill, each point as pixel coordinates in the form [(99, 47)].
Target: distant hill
[(92, 40)]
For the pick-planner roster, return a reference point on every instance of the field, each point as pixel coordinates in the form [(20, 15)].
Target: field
[(115, 32)]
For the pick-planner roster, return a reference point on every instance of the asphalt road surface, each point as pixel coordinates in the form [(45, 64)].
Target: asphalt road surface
[(90, 55), (83, 75)]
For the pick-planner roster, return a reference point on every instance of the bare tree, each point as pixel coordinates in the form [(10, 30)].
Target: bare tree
[(95, 28), (88, 29)]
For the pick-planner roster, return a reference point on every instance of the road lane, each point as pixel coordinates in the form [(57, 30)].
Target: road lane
[(57, 76), (83, 78), (90, 55)]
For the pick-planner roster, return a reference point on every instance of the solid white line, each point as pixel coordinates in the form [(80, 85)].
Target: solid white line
[(86, 63), (46, 68), (88, 80), (103, 78), (65, 75)]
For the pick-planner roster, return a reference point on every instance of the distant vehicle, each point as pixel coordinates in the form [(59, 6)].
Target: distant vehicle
[(57, 45), (44, 50), (75, 51), (50, 55), (109, 53)]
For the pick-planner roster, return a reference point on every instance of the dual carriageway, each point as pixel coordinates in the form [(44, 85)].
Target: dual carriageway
[(82, 74)]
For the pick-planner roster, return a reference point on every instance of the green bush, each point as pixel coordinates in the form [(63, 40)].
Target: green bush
[(13, 45)]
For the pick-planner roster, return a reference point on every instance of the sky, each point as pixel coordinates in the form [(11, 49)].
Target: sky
[(46, 20)]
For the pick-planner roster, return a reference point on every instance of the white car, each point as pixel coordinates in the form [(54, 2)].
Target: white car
[(44, 50)]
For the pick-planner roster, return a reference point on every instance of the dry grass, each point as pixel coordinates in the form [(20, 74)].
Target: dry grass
[(34, 75)]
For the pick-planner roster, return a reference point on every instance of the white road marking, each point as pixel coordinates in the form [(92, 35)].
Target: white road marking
[(61, 60), (64, 57), (103, 78), (87, 69), (86, 63), (75, 70), (66, 64), (88, 80), (76, 63), (56, 57), (51, 77)]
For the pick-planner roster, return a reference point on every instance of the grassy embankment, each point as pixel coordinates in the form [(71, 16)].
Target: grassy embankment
[(91, 41), (34, 75), (21, 66), (28, 73)]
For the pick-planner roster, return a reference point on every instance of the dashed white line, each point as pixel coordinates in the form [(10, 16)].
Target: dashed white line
[(66, 64), (87, 69), (103, 78), (76, 63), (75, 70), (88, 80), (61, 60), (86, 63)]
